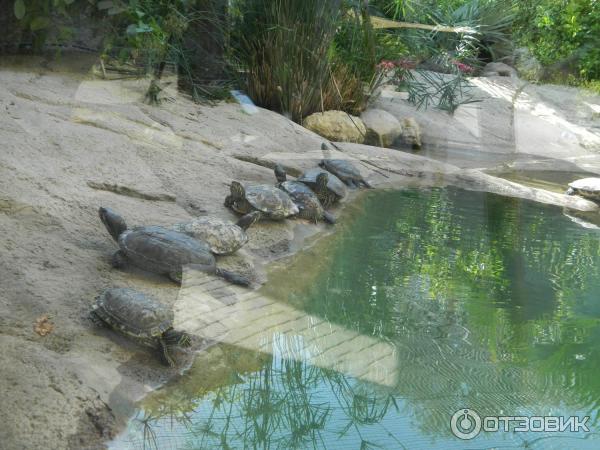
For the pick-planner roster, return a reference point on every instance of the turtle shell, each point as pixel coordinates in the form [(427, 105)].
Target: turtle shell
[(272, 201), (586, 187), (343, 168), (334, 184), (222, 237), (302, 195), (163, 251), (133, 313)]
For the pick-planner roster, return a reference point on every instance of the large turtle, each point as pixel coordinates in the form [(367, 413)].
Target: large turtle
[(273, 203), (587, 187), (307, 201), (334, 191), (161, 251), (139, 317), (345, 171), (223, 238)]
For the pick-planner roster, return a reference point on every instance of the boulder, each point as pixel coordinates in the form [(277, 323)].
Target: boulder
[(382, 127), (498, 69), (527, 64), (411, 134), (337, 126)]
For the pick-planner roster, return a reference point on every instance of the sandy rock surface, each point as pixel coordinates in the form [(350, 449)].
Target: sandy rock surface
[(72, 143)]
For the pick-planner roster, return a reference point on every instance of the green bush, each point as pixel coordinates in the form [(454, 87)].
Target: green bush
[(284, 52), (349, 46), (564, 33)]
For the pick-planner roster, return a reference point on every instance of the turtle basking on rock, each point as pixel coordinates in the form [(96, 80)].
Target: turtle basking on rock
[(334, 191), (223, 238), (345, 171), (307, 201), (271, 202), (161, 251), (141, 318), (587, 187)]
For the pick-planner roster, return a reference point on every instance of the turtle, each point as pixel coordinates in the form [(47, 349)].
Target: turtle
[(334, 190), (272, 202), (587, 187), (139, 317), (223, 238), (159, 250), (307, 201), (345, 171)]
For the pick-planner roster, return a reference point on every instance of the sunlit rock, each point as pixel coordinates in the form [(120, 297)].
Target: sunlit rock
[(337, 126)]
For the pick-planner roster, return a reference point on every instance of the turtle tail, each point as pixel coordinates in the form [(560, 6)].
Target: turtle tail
[(366, 184), (233, 277)]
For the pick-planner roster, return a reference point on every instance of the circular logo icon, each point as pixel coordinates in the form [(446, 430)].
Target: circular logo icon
[(465, 424)]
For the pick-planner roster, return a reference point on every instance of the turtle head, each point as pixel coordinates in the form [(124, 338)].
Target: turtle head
[(237, 191), (113, 222), (280, 173), (248, 220), (322, 180)]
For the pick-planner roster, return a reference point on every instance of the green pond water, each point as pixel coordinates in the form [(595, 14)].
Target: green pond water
[(489, 303)]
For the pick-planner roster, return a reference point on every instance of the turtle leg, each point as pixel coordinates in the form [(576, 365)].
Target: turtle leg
[(172, 337), (96, 320), (352, 184), (119, 260), (366, 184), (232, 277), (328, 217), (176, 276), (248, 220), (314, 216), (164, 353), (325, 200)]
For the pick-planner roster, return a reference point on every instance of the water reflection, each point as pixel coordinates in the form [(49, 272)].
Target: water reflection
[(490, 303)]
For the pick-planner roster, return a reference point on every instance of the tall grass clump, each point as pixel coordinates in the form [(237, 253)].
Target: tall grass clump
[(284, 52)]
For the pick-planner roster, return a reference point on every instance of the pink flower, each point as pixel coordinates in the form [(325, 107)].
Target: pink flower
[(403, 63), (462, 67), (386, 65)]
